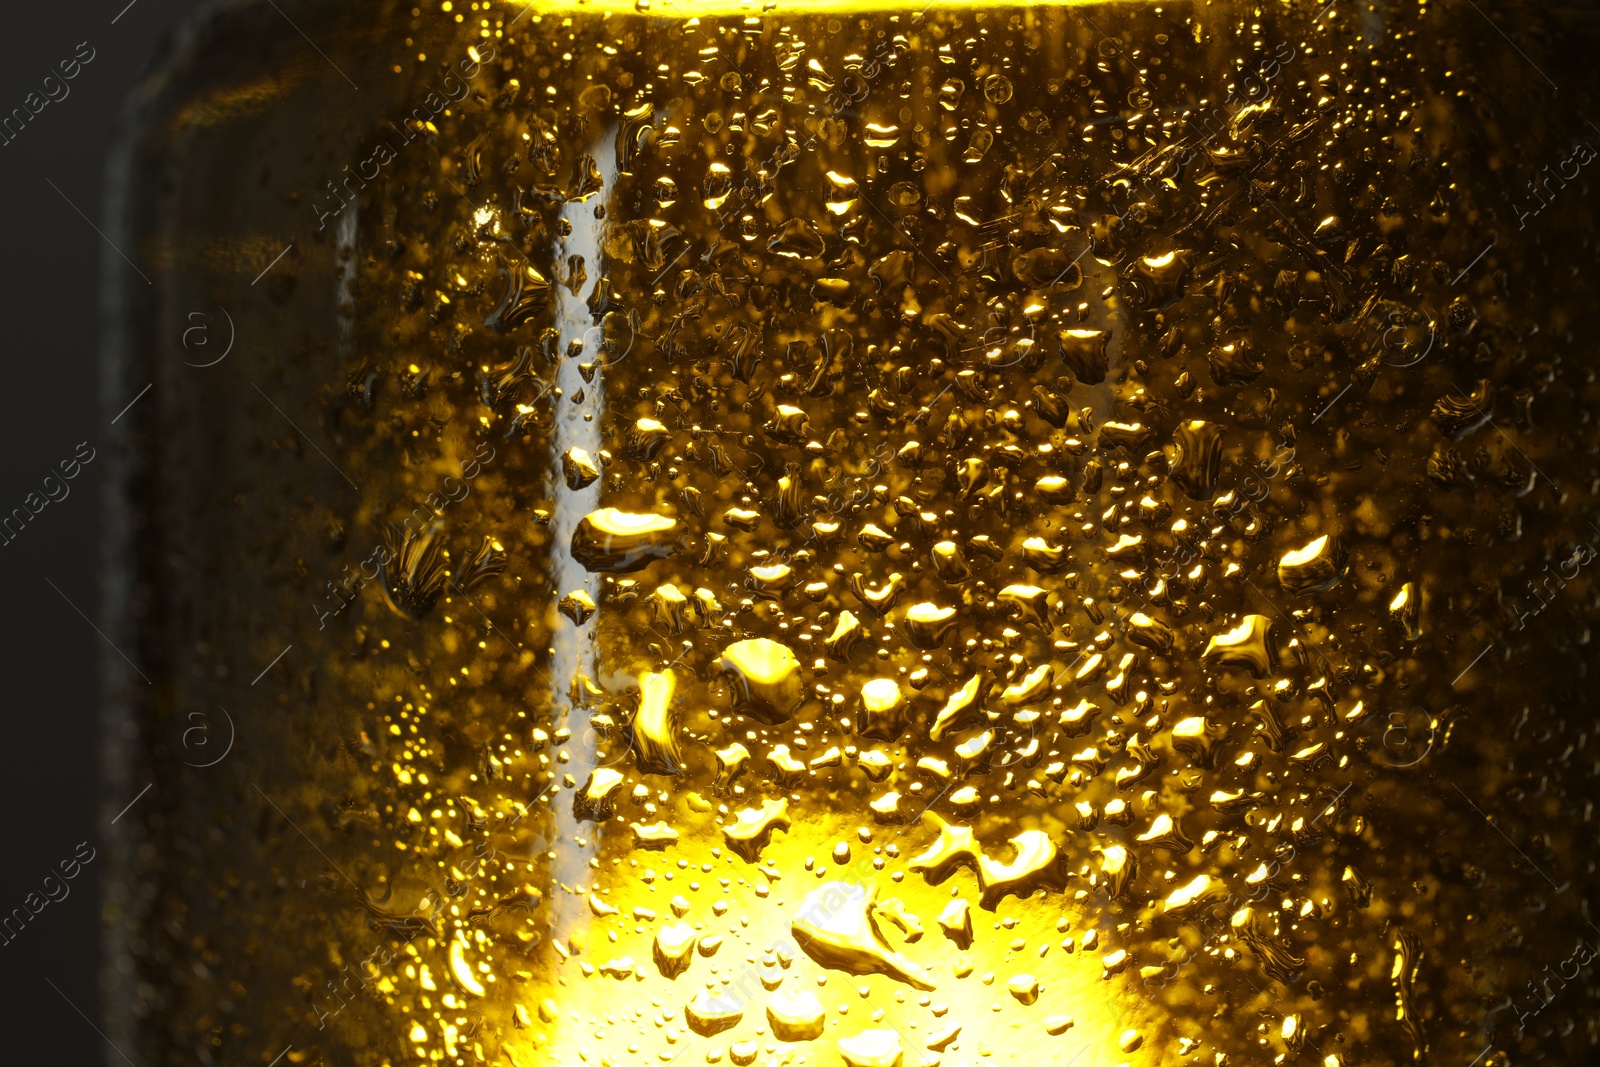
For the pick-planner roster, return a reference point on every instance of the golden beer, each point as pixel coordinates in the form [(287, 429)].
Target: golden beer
[(855, 533)]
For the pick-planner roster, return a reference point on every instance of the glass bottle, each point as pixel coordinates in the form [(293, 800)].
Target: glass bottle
[(853, 532)]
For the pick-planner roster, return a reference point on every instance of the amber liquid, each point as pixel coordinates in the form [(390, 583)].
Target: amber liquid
[(939, 537)]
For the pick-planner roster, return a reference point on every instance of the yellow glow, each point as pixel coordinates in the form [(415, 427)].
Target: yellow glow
[(880, 694), (1301, 556), (688, 9), (461, 970)]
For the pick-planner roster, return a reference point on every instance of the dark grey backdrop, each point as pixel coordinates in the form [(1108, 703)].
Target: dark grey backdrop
[(49, 400)]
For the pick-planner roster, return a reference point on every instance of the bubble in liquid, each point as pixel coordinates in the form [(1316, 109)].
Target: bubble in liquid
[(997, 88)]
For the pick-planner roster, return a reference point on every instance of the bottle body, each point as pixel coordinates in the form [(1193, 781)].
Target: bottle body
[(863, 533)]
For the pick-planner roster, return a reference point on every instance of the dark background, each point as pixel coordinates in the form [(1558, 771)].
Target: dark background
[(50, 796)]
